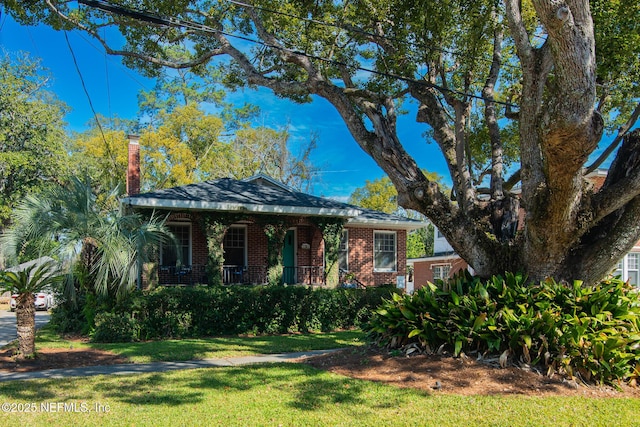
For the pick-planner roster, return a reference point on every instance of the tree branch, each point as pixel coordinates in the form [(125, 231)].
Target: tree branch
[(491, 119), (622, 131), (283, 52), (623, 180), (519, 31)]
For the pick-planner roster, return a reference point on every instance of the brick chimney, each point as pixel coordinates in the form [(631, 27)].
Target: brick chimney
[(133, 168)]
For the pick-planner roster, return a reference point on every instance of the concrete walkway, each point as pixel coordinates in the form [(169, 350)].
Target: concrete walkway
[(135, 368)]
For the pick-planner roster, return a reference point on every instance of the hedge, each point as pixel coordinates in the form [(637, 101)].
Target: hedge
[(199, 311)]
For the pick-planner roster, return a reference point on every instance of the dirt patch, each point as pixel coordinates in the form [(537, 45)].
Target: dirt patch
[(53, 358), (442, 374)]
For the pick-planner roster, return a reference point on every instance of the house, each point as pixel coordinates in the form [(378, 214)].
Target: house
[(252, 230), (444, 263)]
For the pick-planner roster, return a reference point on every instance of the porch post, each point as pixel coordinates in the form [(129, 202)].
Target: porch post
[(215, 227), (331, 229), (275, 232)]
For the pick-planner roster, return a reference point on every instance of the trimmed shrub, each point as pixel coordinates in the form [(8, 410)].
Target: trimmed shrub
[(111, 327), (178, 312), (590, 332)]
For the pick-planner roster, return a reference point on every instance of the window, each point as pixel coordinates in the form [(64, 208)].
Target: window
[(343, 254), (234, 246), (629, 268), (441, 272), (384, 251), (169, 254), (633, 262)]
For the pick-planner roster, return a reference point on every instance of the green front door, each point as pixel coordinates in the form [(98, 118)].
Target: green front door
[(289, 258)]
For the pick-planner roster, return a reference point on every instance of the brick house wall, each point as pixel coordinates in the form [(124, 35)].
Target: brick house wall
[(360, 256), (423, 269), (309, 253)]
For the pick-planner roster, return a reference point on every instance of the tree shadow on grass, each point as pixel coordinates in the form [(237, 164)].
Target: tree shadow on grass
[(296, 386), (194, 349)]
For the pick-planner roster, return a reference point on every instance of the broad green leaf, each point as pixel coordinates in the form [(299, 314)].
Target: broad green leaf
[(414, 332), (457, 348)]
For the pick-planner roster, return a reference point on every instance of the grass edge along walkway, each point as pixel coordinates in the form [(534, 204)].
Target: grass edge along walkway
[(139, 368)]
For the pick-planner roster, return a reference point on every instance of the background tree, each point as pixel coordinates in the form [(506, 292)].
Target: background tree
[(262, 150), (26, 283), (101, 250), (381, 195), (101, 153), (32, 155), (537, 59), (190, 133)]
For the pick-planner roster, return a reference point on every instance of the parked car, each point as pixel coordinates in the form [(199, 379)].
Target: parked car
[(43, 301)]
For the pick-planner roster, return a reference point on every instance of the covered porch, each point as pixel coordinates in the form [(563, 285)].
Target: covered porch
[(255, 250)]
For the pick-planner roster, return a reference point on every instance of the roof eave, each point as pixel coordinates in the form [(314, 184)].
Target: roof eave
[(390, 224), (153, 203)]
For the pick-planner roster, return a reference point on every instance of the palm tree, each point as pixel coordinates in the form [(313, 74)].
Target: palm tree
[(101, 249), (32, 279)]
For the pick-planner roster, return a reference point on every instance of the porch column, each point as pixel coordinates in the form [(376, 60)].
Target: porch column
[(275, 232), (215, 227), (331, 229)]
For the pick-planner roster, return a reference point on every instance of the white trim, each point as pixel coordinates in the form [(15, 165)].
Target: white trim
[(345, 231), (144, 202), (441, 264), (441, 268), (395, 252), (625, 269), (358, 222), (452, 257)]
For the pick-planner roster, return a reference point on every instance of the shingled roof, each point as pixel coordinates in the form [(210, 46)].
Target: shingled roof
[(260, 195)]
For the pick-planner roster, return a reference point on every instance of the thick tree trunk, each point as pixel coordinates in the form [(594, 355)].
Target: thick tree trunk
[(609, 238), (26, 325)]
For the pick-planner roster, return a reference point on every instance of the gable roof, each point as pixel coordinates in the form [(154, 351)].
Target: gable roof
[(261, 195)]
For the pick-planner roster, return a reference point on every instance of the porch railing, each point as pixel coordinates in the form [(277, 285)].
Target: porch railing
[(257, 274), (235, 274), (303, 274), (238, 274), (182, 275)]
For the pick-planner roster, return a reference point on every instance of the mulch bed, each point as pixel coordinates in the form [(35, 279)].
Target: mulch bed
[(431, 373)]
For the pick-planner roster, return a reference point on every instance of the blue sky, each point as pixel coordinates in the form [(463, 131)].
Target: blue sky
[(113, 91)]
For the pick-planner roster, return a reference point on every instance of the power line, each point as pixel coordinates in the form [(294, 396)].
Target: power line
[(181, 23), (123, 69), (357, 30), (86, 92)]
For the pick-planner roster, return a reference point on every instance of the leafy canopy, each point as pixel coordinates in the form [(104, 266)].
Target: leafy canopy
[(32, 133)]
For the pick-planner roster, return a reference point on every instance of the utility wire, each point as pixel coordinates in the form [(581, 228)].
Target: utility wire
[(181, 23), (86, 92), (123, 69), (357, 30)]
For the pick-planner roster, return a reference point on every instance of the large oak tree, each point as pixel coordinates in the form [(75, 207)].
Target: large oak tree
[(492, 80)]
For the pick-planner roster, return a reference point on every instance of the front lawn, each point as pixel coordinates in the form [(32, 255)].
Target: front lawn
[(287, 395), (204, 348)]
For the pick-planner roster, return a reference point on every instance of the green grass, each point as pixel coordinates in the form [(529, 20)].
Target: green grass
[(192, 349), (290, 395)]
